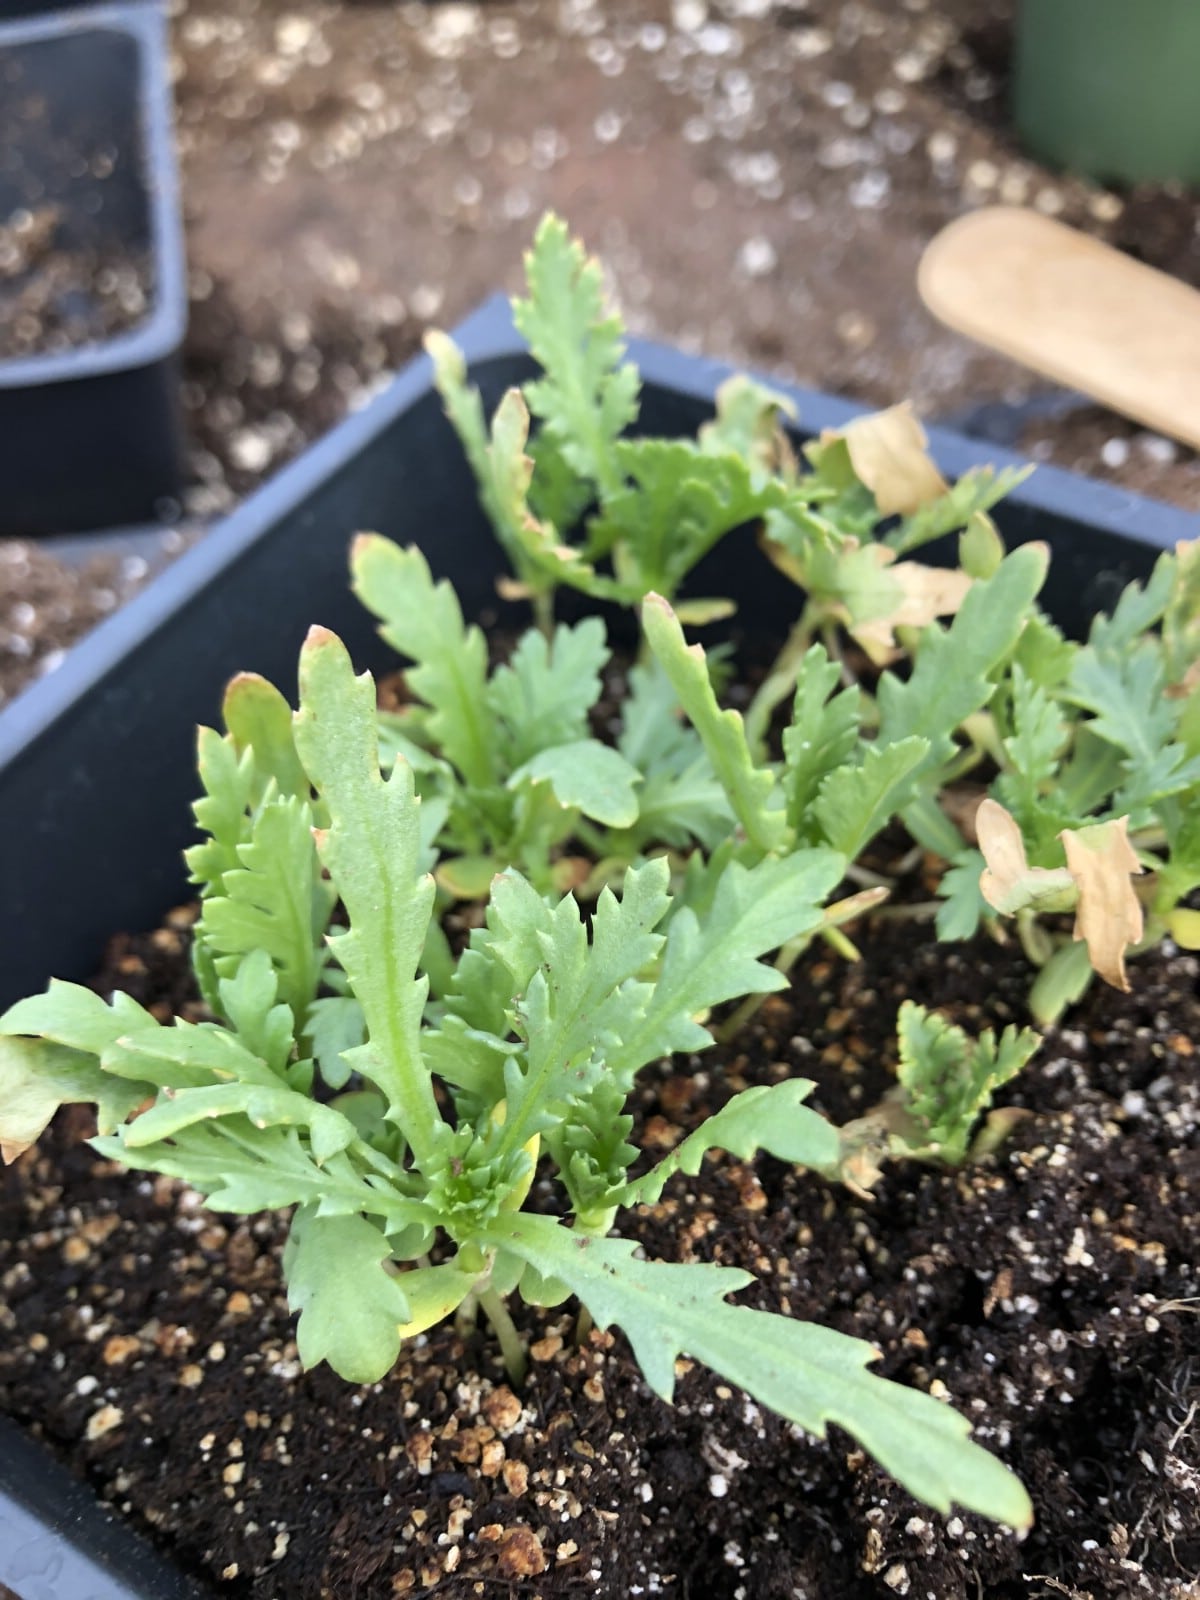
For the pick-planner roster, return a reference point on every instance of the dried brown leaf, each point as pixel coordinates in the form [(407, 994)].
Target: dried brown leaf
[(889, 453), (1109, 915), (926, 593), (1009, 883)]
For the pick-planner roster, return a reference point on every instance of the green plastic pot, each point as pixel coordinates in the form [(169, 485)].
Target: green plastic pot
[(1111, 88)]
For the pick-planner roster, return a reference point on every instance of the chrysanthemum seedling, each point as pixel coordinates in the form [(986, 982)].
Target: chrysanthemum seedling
[(532, 1053)]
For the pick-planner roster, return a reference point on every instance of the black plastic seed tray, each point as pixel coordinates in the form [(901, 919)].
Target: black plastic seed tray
[(96, 761), (92, 282)]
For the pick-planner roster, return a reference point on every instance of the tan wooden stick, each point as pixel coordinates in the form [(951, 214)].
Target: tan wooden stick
[(1074, 309)]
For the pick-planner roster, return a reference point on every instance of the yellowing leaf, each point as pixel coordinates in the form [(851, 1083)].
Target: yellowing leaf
[(926, 593), (1008, 883), (889, 453), (1109, 916), (1184, 927)]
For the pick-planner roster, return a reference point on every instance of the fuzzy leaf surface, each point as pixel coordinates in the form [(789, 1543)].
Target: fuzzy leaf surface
[(37, 1077), (274, 901), (578, 1001), (545, 691), (679, 503), (948, 1079)]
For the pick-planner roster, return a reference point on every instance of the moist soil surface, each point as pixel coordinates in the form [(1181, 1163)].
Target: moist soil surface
[(1050, 1292), (759, 176)]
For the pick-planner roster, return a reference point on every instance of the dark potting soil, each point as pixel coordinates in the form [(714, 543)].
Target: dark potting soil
[(1051, 1293), (56, 297)]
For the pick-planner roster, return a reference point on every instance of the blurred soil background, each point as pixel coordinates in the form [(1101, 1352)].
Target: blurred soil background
[(759, 177)]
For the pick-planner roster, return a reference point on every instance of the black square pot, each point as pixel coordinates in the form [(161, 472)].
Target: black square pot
[(91, 437), (97, 761)]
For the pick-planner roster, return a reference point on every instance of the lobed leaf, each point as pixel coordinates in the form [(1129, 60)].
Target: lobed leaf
[(545, 691), (37, 1077), (716, 956), (810, 1375), (750, 789), (372, 850), (423, 621), (351, 1308), (771, 1118), (588, 395), (576, 1005), (588, 775)]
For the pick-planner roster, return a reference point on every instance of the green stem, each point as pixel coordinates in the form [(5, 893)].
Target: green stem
[(512, 1346), (780, 681), (542, 601)]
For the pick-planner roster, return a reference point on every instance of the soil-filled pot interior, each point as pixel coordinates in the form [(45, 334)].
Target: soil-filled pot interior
[(1049, 1292)]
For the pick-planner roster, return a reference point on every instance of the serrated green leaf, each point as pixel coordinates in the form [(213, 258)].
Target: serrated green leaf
[(691, 807), (1044, 655), (723, 733), (501, 467), (951, 677), (963, 906), (810, 1375), (771, 1117), (329, 1131), (335, 1024), (678, 504), (855, 803), (351, 1308), (578, 1000), (243, 1169), (423, 621), (1033, 750), (372, 850), (259, 719), (544, 693), (588, 395), (229, 781), (557, 494), (821, 736), (977, 491), (71, 1015), (275, 901), (1138, 609), (716, 955), (948, 1079), (588, 775), (248, 1000)]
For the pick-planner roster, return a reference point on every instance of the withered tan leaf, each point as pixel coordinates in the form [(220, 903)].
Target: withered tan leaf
[(890, 454), (926, 593), (1109, 915), (1009, 883)]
